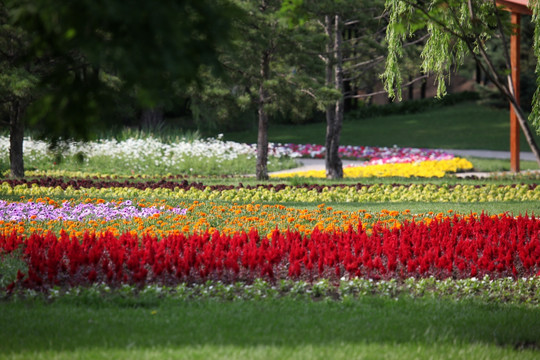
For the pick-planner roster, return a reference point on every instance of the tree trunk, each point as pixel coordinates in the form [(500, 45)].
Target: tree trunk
[(526, 129), (411, 88), (334, 166), (329, 81), (506, 89), (152, 119), (16, 136), (262, 135), (478, 74)]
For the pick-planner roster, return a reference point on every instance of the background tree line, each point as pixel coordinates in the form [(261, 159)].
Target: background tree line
[(70, 68)]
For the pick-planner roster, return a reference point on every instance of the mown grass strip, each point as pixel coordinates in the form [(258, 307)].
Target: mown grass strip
[(370, 326)]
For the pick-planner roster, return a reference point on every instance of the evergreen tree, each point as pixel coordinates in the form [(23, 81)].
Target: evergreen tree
[(17, 86), (353, 47), (272, 70)]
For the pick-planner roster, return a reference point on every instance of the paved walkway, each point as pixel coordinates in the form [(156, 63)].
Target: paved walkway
[(491, 154), (319, 164)]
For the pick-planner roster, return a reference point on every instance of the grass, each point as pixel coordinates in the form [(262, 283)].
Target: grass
[(494, 165), (461, 126), (370, 327), (516, 208)]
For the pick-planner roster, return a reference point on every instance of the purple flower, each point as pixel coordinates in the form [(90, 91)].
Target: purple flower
[(20, 211)]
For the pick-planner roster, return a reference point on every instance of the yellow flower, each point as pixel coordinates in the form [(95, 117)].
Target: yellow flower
[(430, 168)]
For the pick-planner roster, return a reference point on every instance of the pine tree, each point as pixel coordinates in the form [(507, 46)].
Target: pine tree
[(272, 69), (346, 59)]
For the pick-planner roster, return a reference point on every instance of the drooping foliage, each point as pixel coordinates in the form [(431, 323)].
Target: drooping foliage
[(457, 29)]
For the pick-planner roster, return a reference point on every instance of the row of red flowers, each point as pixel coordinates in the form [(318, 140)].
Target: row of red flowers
[(455, 248)]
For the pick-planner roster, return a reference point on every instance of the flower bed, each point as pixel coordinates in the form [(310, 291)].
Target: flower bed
[(140, 242), (403, 168), (134, 149), (216, 156), (451, 248), (140, 233), (271, 193), (196, 217), (45, 210), (371, 154)]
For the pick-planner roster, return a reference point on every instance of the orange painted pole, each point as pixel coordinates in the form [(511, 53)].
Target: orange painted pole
[(514, 60)]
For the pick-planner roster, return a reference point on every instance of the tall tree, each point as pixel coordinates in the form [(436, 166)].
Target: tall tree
[(349, 58), (273, 71), (82, 53), (334, 112), (16, 86), (458, 28)]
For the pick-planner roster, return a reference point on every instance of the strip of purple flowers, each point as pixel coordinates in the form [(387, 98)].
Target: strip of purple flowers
[(20, 211)]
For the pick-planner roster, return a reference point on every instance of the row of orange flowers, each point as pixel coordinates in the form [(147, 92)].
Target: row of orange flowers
[(227, 218)]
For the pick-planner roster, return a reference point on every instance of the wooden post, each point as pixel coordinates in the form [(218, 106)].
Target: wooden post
[(514, 59)]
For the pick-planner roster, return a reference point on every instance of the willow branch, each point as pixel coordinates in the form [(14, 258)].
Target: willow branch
[(506, 54), (385, 92)]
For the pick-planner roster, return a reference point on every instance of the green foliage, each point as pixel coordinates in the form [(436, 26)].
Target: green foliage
[(486, 290), (97, 51), (167, 135), (219, 105), (456, 29), (16, 82), (294, 86), (294, 12), (10, 265)]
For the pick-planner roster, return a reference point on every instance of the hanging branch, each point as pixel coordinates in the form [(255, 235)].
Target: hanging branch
[(385, 92), (508, 91), (473, 43)]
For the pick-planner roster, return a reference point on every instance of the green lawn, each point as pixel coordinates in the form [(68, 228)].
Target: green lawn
[(515, 208), (461, 126), (370, 327)]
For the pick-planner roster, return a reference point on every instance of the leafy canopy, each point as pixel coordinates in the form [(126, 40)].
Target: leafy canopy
[(95, 48)]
